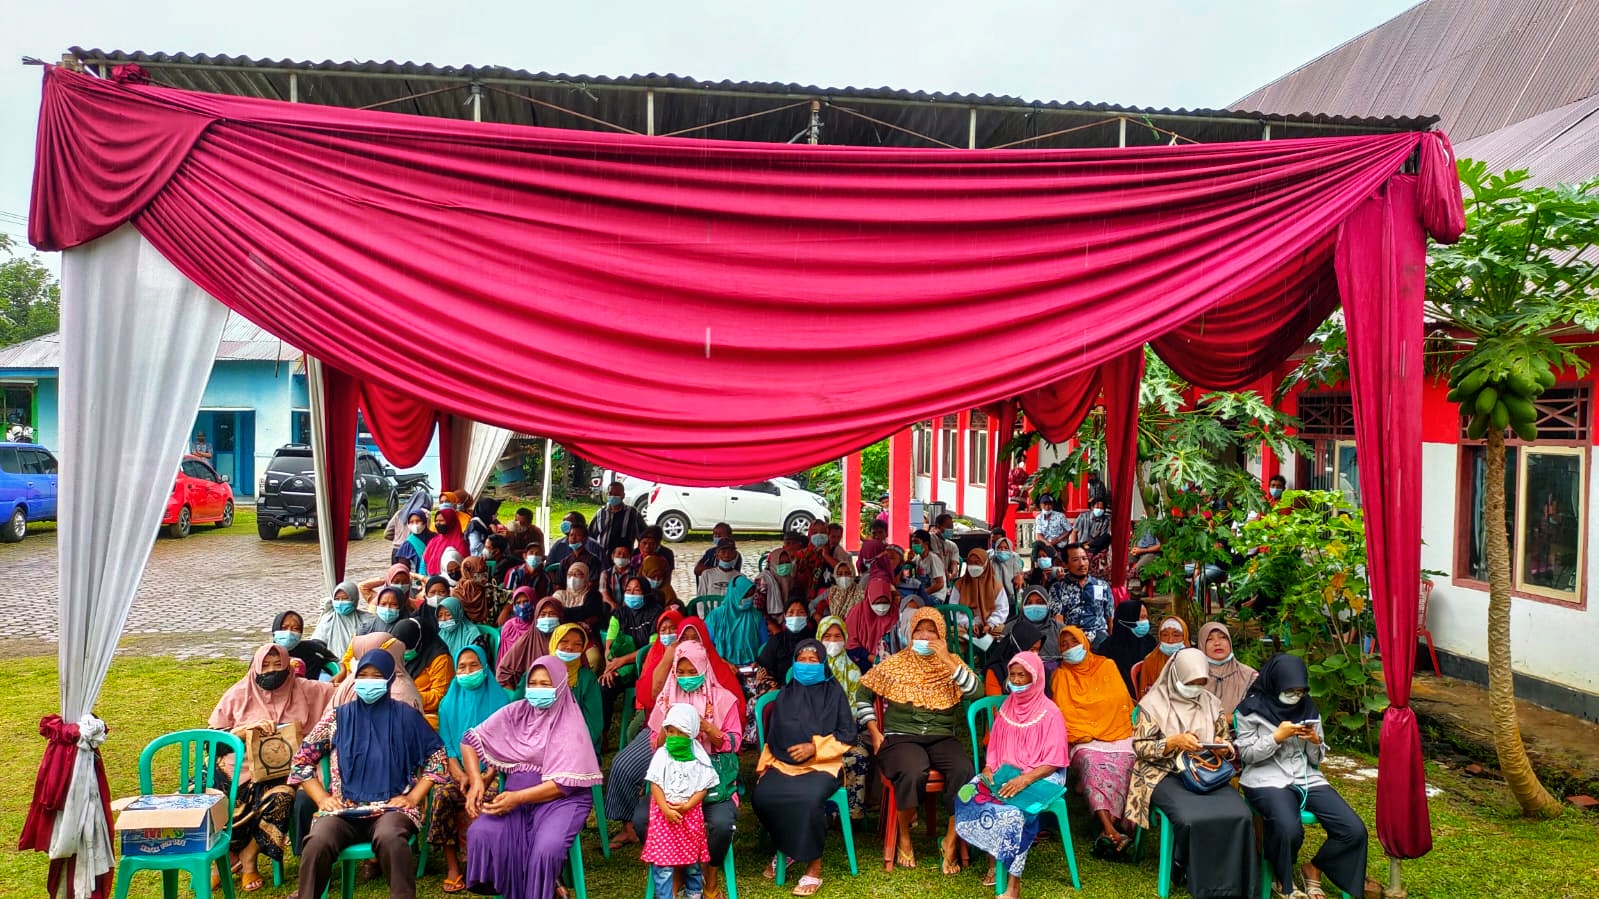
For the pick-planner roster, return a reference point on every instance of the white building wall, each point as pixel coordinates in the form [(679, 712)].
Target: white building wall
[(1548, 640)]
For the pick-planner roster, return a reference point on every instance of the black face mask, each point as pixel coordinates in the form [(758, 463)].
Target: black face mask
[(271, 680)]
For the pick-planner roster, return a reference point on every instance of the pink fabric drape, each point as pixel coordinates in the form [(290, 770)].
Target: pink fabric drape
[(1122, 376), (749, 267), (1003, 415), (342, 396), (401, 424)]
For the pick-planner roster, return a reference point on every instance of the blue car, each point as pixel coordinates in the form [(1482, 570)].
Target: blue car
[(27, 488)]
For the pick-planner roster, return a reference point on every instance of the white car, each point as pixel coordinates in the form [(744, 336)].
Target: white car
[(775, 505)]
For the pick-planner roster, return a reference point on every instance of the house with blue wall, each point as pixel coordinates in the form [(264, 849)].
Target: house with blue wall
[(255, 401)]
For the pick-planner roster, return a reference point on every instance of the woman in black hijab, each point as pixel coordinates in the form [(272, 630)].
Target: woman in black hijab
[(1024, 636), (427, 661), (288, 631), (1130, 639), (778, 653)]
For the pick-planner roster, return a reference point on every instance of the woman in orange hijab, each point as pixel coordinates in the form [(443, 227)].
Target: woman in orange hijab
[(1099, 729)]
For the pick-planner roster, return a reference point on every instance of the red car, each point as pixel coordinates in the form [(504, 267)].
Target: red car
[(199, 496)]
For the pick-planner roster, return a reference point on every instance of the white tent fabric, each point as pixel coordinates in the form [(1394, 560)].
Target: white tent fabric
[(316, 390), (475, 448), (138, 339)]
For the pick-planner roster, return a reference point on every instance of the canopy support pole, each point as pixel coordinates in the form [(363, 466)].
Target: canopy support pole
[(1396, 887), (544, 497), (849, 513), (649, 112)]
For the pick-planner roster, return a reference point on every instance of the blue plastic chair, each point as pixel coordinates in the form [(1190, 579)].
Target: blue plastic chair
[(839, 799), (985, 708), (197, 764)]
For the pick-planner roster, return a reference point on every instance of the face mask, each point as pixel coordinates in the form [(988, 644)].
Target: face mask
[(533, 562), (522, 610), (668, 639), (540, 697), (784, 569), (1219, 662), (1190, 691), (917, 549), (474, 680), (1141, 629), (725, 564), (410, 655), (794, 623), (975, 570), (1035, 614), (880, 608), (575, 584), (448, 624), (1171, 649), (634, 600), (417, 527), (1276, 493), (388, 615), (1099, 513), (371, 689), (286, 639), (343, 607), (1001, 555), (818, 539), (1076, 654), (568, 657), (621, 563), (809, 674), (922, 647), (655, 582), (1290, 698), (691, 683), (271, 680), (613, 500), (440, 526), (845, 581), (566, 527), (1018, 688), (433, 601), (834, 647), (1046, 563), (547, 624), (679, 747)]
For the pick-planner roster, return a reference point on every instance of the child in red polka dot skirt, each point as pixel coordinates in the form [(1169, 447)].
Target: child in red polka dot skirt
[(680, 775)]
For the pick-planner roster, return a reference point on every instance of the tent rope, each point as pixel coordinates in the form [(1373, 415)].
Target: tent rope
[(571, 112), (753, 115), (391, 102), (862, 115)]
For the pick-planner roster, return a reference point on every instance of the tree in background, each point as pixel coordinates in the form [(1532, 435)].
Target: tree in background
[(30, 298)]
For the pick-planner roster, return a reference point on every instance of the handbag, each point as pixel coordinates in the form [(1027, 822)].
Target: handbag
[(1203, 772), (726, 765)]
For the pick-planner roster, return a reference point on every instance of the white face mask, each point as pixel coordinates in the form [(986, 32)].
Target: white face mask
[(975, 570), (574, 584), (880, 608), (846, 582), (1190, 691), (834, 647), (1290, 698), (417, 527)]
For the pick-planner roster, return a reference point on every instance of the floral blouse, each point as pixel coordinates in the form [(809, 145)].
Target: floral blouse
[(318, 744), (1154, 764)]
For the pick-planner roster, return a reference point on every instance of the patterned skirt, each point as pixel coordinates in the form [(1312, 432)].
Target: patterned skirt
[(449, 810), (1003, 831), (1103, 776), (262, 815)]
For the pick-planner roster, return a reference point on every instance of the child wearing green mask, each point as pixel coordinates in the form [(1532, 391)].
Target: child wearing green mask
[(680, 775)]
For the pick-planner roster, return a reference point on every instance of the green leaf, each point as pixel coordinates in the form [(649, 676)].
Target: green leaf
[(1376, 702)]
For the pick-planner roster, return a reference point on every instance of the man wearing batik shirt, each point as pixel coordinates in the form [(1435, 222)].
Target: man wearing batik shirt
[(1075, 598), (1052, 526)]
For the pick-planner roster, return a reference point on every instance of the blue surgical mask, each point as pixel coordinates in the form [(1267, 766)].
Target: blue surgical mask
[(1076, 654), (922, 647), (566, 527), (655, 583), (448, 624), (809, 674), (1276, 493), (533, 562), (547, 624), (1018, 688), (613, 500), (1219, 662), (388, 615), (725, 564), (633, 600), (371, 689), (472, 681), (1099, 513), (565, 656), (668, 639), (1045, 562), (540, 697), (818, 539), (1171, 649), (1141, 629), (286, 639), (794, 623), (1001, 555), (343, 607), (1035, 614)]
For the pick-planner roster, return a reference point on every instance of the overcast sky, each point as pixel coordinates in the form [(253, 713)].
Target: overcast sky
[(1135, 52)]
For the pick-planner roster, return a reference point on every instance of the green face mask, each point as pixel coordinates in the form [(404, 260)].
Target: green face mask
[(690, 684), (679, 747)]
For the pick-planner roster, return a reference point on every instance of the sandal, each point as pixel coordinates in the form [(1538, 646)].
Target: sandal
[(1313, 889), (807, 886), (990, 877), (455, 884), (250, 881)]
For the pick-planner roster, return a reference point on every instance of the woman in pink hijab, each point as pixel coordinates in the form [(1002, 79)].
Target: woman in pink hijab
[(1028, 743)]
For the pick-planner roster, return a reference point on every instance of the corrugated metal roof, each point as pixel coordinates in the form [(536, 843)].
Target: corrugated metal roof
[(680, 103), (241, 342), (1479, 65), (1560, 146)]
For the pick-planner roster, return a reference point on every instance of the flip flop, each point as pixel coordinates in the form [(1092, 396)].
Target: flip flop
[(251, 881), (807, 886), (454, 884)]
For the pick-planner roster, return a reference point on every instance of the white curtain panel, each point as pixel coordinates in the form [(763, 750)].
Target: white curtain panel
[(316, 389), (476, 447), (138, 340)]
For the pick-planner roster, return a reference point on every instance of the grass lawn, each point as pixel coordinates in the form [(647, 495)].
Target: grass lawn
[(1481, 849)]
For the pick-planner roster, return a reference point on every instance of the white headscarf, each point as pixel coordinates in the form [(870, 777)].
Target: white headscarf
[(680, 780), (335, 630), (1175, 713)]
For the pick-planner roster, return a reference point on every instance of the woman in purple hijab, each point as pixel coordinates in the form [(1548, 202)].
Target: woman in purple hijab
[(518, 841)]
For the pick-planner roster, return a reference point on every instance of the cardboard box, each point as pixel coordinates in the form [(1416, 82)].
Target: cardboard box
[(171, 823), (270, 757)]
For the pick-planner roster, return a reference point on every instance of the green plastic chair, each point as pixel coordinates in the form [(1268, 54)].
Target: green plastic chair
[(840, 797), (627, 700), (197, 763), (700, 605), (574, 854), (1168, 844), (348, 861), (598, 792), (728, 874), (985, 708), (952, 613)]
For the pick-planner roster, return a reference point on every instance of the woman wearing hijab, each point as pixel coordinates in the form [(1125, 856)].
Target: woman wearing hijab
[(777, 656), (526, 638), (267, 697), (871, 621), (1130, 640), (427, 661), (382, 756), (846, 593), (627, 640), (473, 696), (1029, 736), (1214, 832), (398, 576), (657, 570), (721, 729), (401, 689), (1172, 639), (484, 519), (774, 584), (648, 685), (1229, 678), (1281, 744), (450, 565), (342, 620), (473, 589), (1007, 565), (447, 535), (922, 687), (519, 840), (979, 590), (581, 598), (1033, 607), (412, 547), (1093, 700), (569, 643), (288, 631), (458, 633), (738, 625), (834, 637), (809, 728), (389, 607), (1023, 636), (525, 608)]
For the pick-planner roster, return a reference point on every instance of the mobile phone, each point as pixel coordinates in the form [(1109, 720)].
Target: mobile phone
[(1213, 746)]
